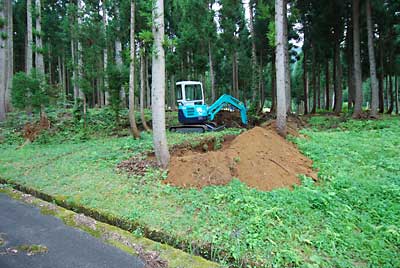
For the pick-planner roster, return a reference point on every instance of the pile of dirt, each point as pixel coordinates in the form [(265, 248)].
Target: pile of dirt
[(229, 119), (259, 157)]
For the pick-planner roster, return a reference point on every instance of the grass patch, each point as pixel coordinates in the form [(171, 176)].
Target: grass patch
[(33, 249), (2, 240), (350, 219)]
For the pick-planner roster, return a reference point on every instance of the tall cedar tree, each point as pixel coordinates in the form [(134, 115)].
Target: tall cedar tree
[(281, 39), (158, 87)]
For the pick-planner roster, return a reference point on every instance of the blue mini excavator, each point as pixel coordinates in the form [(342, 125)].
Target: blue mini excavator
[(195, 115)]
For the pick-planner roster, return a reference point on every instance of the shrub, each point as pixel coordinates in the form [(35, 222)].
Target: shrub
[(30, 91)]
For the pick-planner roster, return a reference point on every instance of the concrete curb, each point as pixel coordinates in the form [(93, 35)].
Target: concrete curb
[(110, 234)]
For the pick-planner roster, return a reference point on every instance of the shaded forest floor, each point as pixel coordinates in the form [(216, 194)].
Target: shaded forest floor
[(348, 219)]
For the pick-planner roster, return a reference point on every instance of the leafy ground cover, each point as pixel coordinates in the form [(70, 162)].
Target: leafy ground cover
[(350, 219), (65, 127)]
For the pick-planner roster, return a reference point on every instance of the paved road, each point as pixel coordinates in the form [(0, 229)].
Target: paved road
[(21, 224)]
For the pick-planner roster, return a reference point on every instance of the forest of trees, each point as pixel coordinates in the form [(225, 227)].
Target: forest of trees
[(324, 55)]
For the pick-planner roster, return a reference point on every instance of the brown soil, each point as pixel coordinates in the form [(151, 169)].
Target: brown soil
[(31, 131), (259, 157), (228, 119), (294, 124), (152, 259), (137, 165), (291, 128)]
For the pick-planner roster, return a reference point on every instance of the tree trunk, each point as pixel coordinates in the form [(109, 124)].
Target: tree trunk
[(397, 94), (339, 93), (318, 86), (10, 55), (350, 65), (334, 77), (288, 90), (81, 94), (93, 92), (158, 87), (99, 86), (61, 79), (212, 77), (281, 40), (65, 81), (173, 97), (143, 89), (372, 64), (29, 53), (148, 88), (391, 94), (3, 64), (80, 60), (381, 78), (237, 75), (118, 59), (59, 72), (105, 58), (357, 60), (74, 73), (234, 73), (314, 82), (38, 39), (254, 67), (338, 79), (101, 93), (305, 82), (386, 97), (167, 91), (273, 84), (50, 66), (261, 85), (132, 119), (189, 69), (327, 85)]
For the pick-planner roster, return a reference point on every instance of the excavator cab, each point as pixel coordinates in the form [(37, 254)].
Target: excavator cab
[(191, 105)]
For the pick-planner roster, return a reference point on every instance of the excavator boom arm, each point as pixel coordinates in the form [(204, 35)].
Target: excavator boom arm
[(224, 101)]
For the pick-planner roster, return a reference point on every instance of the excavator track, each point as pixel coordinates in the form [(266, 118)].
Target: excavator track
[(210, 126), (189, 129)]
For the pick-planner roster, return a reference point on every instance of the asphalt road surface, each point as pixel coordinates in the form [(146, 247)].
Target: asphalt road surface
[(21, 224)]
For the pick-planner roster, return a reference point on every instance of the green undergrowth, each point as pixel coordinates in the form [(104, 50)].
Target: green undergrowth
[(65, 128), (33, 249), (350, 218), (344, 122)]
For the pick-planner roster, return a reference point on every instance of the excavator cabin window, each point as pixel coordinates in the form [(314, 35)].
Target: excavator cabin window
[(179, 92), (193, 93)]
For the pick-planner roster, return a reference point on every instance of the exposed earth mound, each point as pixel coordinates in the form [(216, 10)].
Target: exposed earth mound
[(259, 157)]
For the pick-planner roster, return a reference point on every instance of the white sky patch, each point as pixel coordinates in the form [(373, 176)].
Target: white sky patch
[(300, 42), (246, 9), (217, 7)]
